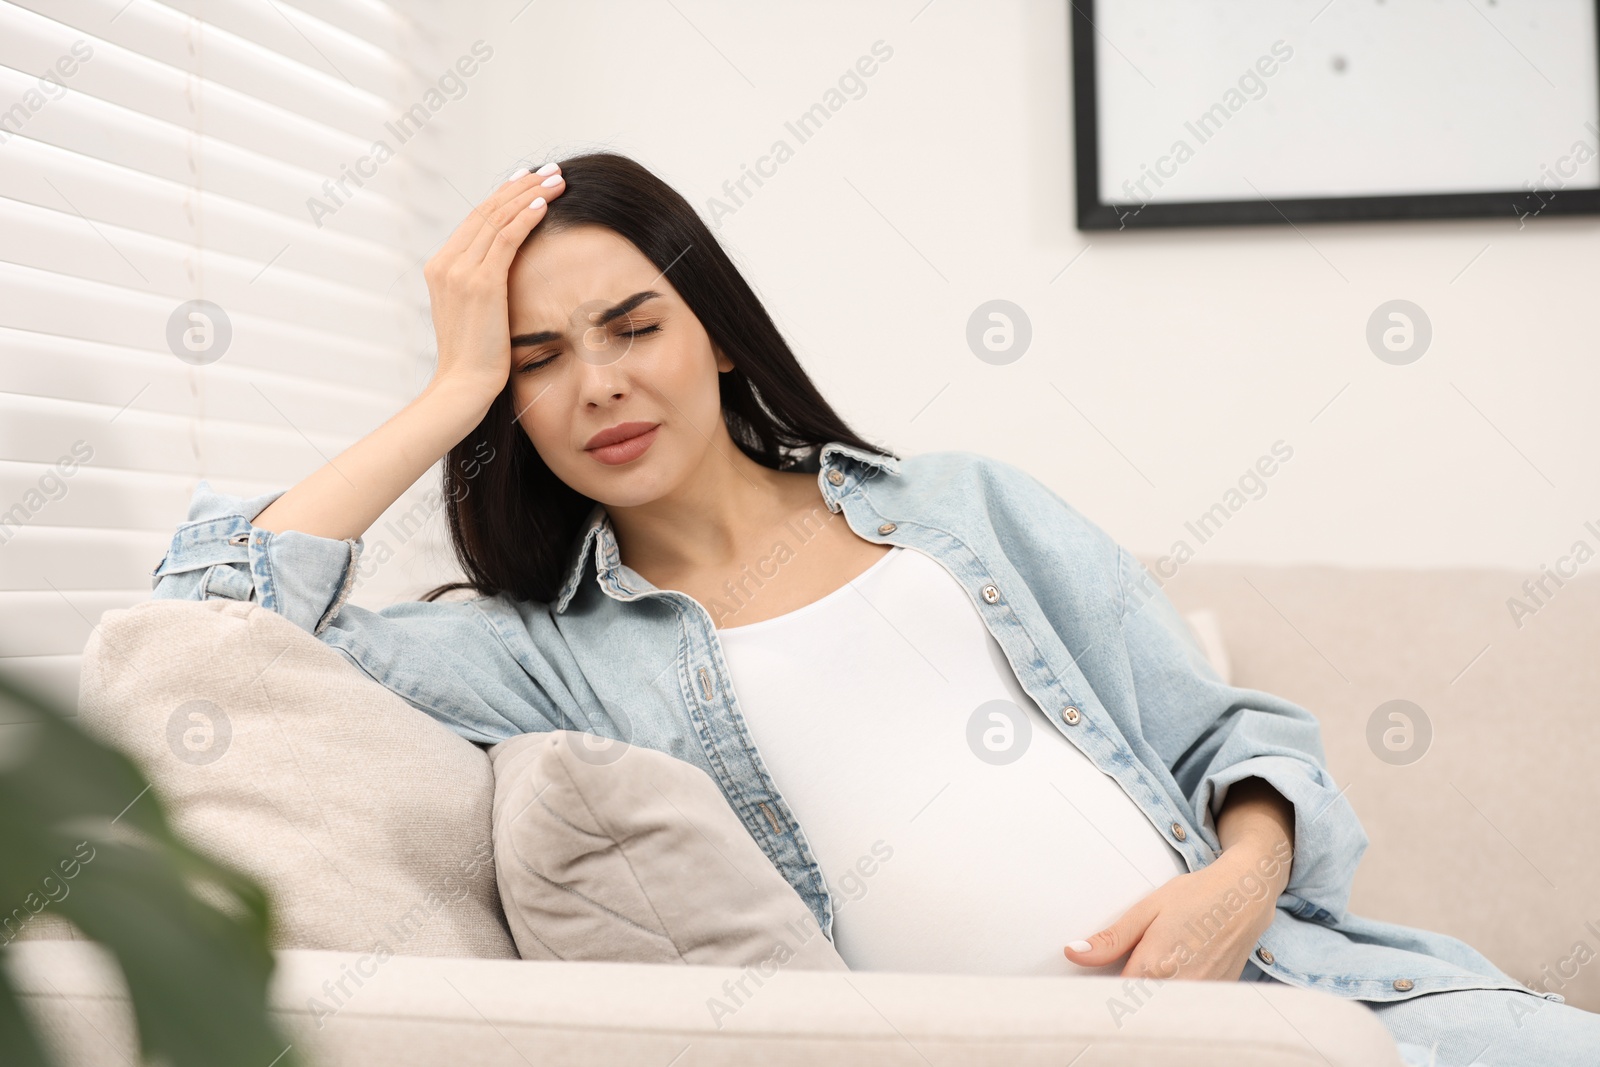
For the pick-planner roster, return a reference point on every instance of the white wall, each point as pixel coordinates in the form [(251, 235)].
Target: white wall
[(1184, 354)]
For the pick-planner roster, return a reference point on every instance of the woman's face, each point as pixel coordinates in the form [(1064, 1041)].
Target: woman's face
[(576, 372)]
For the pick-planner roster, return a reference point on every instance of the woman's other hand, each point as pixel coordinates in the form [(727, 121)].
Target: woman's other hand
[(467, 282), (1200, 925)]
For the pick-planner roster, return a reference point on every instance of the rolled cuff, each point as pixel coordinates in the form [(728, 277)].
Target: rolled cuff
[(219, 552), (1329, 839)]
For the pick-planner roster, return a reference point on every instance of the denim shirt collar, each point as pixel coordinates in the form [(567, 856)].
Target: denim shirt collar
[(598, 532)]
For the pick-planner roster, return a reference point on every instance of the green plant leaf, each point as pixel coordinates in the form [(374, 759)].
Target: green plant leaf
[(83, 835)]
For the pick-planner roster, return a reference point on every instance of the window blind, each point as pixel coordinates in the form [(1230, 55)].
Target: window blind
[(154, 154)]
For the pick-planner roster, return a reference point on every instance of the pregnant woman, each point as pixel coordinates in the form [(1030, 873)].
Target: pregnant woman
[(948, 707)]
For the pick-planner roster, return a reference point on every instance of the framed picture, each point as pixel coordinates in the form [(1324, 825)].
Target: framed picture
[(1214, 112)]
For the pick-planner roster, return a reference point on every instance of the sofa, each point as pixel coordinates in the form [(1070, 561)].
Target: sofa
[(369, 823)]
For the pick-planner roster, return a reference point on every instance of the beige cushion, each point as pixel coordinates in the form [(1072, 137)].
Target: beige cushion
[(606, 851), (366, 820)]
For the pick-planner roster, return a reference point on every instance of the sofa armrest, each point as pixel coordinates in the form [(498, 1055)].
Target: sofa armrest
[(413, 1010)]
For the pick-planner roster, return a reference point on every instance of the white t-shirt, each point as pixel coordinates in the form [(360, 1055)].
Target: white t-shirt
[(862, 704)]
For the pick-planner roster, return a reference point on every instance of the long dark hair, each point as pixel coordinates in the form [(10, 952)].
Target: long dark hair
[(513, 523)]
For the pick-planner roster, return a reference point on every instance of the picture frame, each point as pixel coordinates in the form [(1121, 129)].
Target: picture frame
[(1113, 121)]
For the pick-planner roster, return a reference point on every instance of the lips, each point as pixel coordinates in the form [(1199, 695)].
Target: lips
[(620, 432)]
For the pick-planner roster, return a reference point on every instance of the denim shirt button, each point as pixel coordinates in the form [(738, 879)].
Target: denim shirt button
[(1403, 984), (1179, 832), (835, 476), (886, 528), (1266, 957), (991, 594), (1070, 715)]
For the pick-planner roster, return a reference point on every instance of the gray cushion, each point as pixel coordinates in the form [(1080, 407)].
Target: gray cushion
[(606, 851)]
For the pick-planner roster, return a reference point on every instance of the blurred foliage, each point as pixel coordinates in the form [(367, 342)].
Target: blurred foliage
[(83, 836)]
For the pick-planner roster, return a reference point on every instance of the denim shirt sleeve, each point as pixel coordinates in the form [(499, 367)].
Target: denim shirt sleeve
[(219, 552), (1212, 735), (484, 670)]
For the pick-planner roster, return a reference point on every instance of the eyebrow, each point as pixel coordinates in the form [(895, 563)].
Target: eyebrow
[(523, 339)]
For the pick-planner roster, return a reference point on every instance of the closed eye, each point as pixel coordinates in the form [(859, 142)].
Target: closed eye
[(630, 334)]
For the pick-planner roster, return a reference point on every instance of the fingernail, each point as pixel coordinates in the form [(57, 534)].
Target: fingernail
[(554, 179), (549, 168), (518, 174), (538, 202), (1079, 946)]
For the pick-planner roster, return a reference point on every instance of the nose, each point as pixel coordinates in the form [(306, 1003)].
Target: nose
[(600, 376)]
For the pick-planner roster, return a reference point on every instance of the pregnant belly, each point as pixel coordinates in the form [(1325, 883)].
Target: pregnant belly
[(999, 870)]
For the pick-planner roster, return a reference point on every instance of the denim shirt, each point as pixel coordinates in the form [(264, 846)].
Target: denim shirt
[(1091, 637)]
